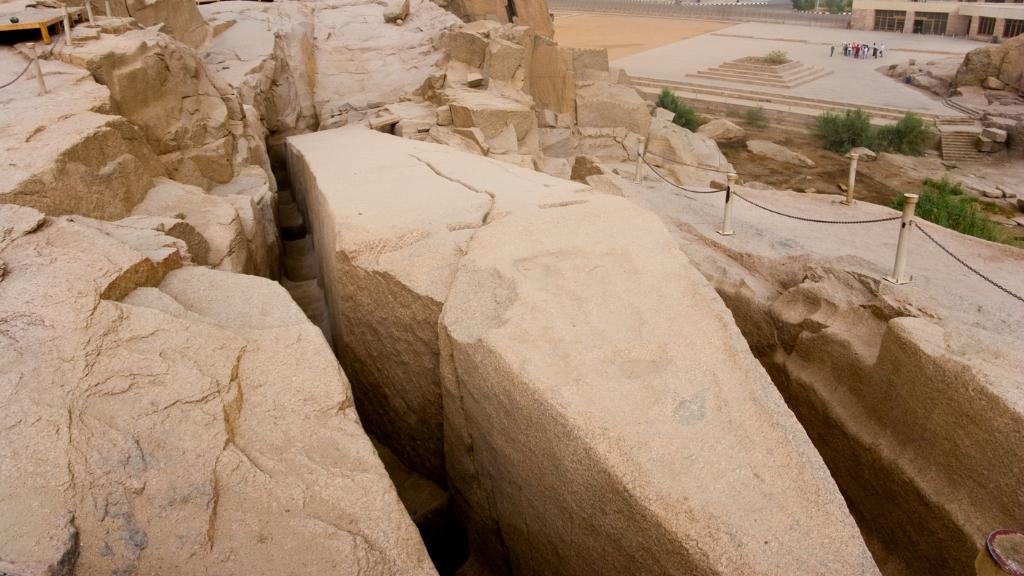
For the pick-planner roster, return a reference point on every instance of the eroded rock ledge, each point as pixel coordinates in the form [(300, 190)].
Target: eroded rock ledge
[(589, 400)]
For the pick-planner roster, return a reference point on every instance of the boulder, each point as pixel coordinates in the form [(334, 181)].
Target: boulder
[(490, 112), (249, 193), (164, 87), (558, 167), (778, 153), (397, 11), (663, 114), (604, 105), (176, 421), (585, 166), (63, 153), (862, 153), (721, 130), (468, 47), (981, 63), (992, 83), (695, 156), (994, 134), (214, 217)]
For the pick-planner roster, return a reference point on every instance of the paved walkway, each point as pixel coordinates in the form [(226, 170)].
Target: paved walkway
[(853, 80)]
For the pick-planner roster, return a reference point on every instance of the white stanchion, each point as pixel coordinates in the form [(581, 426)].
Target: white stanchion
[(726, 229), (899, 274), (853, 179), (36, 68)]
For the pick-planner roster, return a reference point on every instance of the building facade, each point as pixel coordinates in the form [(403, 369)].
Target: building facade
[(978, 20)]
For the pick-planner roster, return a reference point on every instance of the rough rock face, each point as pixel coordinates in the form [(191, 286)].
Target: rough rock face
[(363, 64), (197, 425), (910, 393), (179, 19), (605, 105), (269, 67), (516, 264), (190, 117), (63, 153)]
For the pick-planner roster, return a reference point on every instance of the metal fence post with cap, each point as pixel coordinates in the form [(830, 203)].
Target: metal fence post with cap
[(36, 68), (853, 178), (726, 229), (638, 175), (899, 275)]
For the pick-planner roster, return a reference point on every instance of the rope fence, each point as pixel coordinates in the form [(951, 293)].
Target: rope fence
[(898, 275)]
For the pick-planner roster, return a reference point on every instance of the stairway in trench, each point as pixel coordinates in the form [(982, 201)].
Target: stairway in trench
[(301, 267), (959, 141)]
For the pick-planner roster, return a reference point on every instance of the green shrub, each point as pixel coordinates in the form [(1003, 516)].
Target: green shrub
[(944, 203), (845, 130), (684, 115), (803, 4), (755, 118), (776, 57), (908, 136)]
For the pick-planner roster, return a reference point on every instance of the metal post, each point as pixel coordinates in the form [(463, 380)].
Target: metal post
[(67, 25), (638, 175), (106, 8), (899, 275), (36, 68), (726, 229), (88, 10), (853, 179)]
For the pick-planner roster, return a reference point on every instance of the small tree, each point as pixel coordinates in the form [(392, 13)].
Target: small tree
[(944, 203), (845, 130), (755, 117), (776, 57), (683, 115), (907, 136)]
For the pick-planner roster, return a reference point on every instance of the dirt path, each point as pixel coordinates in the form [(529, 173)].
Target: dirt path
[(625, 35)]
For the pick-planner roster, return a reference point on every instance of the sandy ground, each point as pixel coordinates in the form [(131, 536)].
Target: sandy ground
[(852, 81), (878, 182), (625, 35)]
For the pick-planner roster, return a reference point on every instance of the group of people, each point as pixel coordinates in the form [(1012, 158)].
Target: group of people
[(861, 50)]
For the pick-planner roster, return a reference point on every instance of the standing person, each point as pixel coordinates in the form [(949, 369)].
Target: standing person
[(856, 50), (874, 50), (881, 50), (832, 51)]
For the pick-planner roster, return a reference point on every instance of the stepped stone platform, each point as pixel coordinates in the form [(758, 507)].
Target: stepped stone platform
[(959, 141), (742, 71)]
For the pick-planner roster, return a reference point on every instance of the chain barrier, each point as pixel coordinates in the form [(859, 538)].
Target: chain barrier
[(817, 220), (18, 77), (29, 64), (968, 266), (671, 183)]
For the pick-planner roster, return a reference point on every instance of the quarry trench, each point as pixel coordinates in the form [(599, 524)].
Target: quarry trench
[(428, 504)]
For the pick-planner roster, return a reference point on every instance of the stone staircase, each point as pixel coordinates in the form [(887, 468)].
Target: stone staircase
[(786, 76), (960, 141)]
